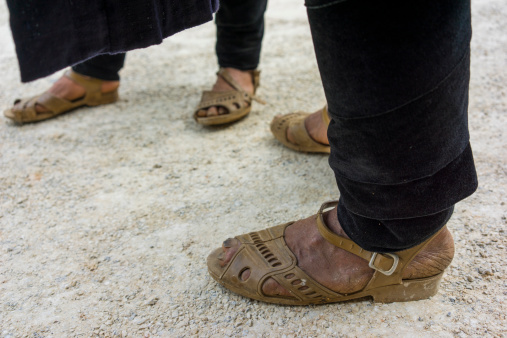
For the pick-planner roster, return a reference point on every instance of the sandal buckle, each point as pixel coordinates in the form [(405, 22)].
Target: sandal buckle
[(389, 272)]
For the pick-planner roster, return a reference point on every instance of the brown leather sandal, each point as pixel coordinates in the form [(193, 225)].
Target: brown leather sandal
[(266, 255), (56, 105), (237, 102), (296, 123)]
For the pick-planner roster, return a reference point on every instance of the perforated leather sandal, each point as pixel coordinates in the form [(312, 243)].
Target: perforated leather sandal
[(237, 102), (56, 105), (266, 255), (296, 123)]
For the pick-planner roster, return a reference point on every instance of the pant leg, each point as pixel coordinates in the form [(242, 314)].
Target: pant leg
[(104, 67), (396, 76), (240, 28)]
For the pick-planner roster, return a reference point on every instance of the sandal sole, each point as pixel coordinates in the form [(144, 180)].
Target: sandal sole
[(408, 290), (222, 119)]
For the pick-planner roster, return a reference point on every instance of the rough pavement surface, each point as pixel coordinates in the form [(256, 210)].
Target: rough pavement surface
[(107, 214)]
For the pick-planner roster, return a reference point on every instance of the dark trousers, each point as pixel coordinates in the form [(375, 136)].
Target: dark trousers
[(104, 67), (396, 75), (240, 28)]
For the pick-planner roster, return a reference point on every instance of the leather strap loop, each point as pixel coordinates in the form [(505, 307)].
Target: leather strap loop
[(255, 79), (90, 84), (381, 262)]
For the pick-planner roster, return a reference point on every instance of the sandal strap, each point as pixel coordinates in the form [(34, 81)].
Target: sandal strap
[(90, 84), (295, 122), (273, 259), (389, 266), (381, 262), (228, 99), (224, 74), (298, 130), (52, 103)]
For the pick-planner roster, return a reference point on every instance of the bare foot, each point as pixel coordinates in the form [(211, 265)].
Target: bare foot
[(243, 78), (316, 128), (338, 269), (67, 89)]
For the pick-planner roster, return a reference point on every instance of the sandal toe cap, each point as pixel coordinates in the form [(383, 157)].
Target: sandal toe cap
[(14, 115)]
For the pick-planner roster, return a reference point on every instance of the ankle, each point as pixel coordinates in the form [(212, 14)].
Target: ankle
[(431, 261), (316, 127), (244, 78), (109, 86)]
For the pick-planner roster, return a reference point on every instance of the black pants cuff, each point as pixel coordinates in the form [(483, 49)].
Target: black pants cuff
[(104, 67), (390, 235)]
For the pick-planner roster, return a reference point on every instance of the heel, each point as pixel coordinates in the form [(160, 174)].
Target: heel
[(409, 290), (104, 98)]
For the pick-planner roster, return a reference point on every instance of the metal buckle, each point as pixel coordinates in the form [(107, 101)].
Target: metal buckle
[(391, 270)]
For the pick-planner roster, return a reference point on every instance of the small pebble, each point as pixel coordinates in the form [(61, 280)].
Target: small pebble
[(152, 301), (485, 272), (140, 321)]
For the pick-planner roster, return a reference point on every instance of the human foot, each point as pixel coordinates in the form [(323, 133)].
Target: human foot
[(243, 78), (315, 126), (67, 89), (335, 268), (302, 131), (230, 99), (71, 91)]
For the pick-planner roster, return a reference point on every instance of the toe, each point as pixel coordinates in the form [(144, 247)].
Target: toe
[(215, 262), (229, 242), (212, 111), (222, 111), (40, 108), (229, 248), (272, 288), (245, 274), (17, 105), (220, 257), (201, 113)]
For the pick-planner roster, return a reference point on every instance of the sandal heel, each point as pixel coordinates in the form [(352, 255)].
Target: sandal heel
[(409, 290), (105, 98)]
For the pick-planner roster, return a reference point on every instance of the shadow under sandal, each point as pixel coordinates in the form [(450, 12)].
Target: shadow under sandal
[(237, 102), (56, 105), (296, 123), (266, 255)]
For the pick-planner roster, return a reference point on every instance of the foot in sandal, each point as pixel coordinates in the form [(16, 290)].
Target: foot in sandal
[(300, 263), (302, 131), (72, 90), (231, 97)]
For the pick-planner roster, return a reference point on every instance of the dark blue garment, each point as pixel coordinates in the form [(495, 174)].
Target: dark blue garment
[(50, 36), (396, 76), (240, 28)]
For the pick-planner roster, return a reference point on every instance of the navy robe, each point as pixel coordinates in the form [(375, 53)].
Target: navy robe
[(51, 35)]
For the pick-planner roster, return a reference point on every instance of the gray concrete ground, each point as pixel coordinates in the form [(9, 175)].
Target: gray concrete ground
[(107, 214)]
